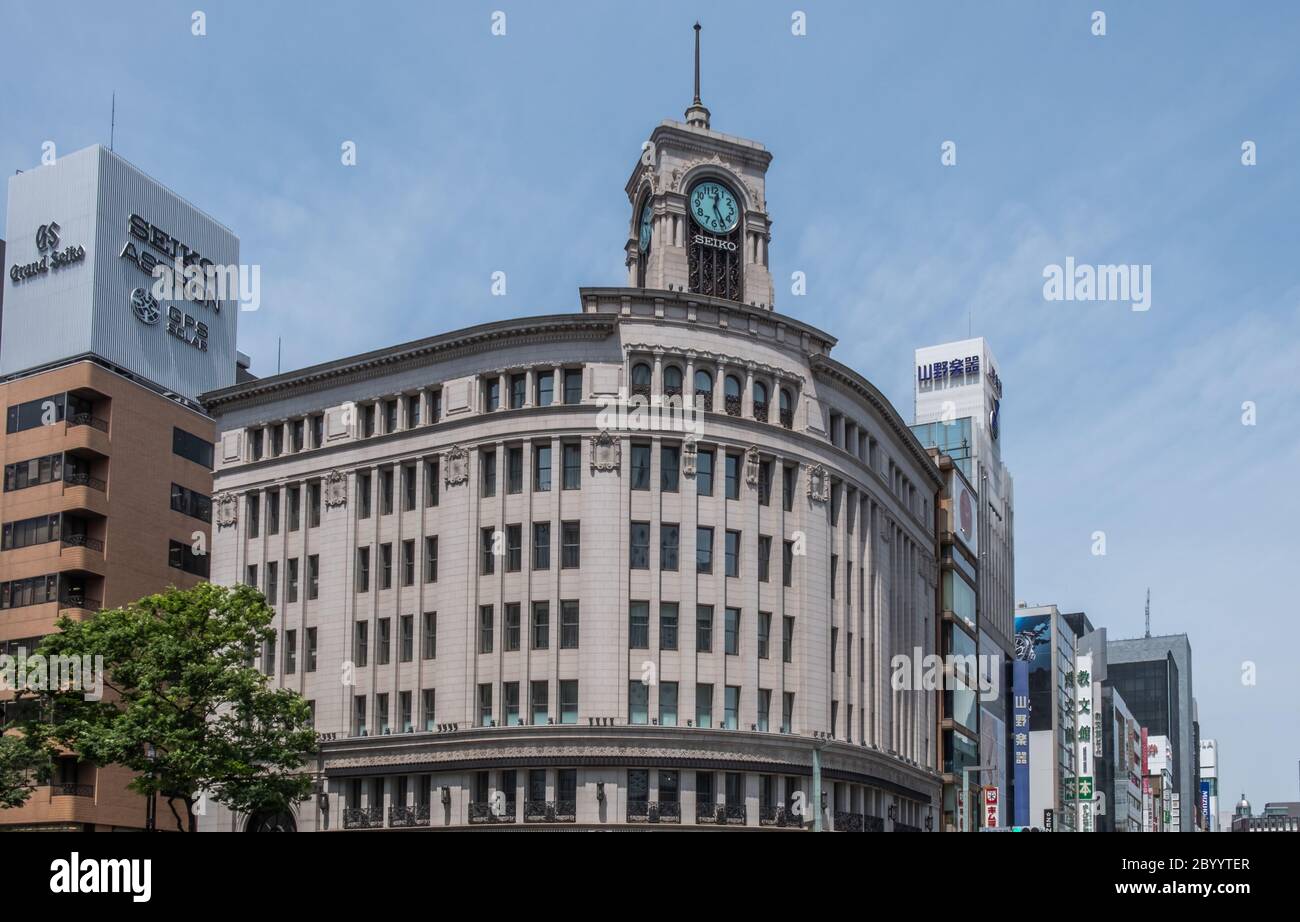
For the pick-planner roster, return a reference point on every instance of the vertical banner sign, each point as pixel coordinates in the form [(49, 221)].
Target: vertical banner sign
[(1020, 740), (991, 809), (1148, 809), (1205, 805), (1083, 742)]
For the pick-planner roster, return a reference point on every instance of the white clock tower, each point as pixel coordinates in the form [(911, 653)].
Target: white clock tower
[(699, 211)]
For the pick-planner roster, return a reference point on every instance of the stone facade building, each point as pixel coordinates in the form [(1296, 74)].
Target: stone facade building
[(519, 592)]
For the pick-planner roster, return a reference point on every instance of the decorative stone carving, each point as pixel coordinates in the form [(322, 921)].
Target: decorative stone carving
[(334, 489), (819, 484), (689, 453), (751, 466), (606, 452), (227, 509), (455, 466)]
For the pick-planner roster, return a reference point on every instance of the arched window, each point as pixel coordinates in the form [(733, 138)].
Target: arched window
[(787, 408), (641, 378), (672, 380), (704, 388), (731, 388), (760, 401)]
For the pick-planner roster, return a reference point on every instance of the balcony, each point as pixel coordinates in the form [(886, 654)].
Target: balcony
[(79, 600), (407, 817), (654, 811), (640, 390), (777, 815), (72, 790), (708, 813), (480, 813), (363, 818), (85, 541), (873, 824), (550, 811), (844, 821), (733, 406), (760, 411), (787, 418), (904, 827), (83, 479), (87, 419), (704, 398)]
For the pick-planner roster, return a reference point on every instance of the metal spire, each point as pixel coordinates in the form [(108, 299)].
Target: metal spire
[(697, 115), (697, 64)]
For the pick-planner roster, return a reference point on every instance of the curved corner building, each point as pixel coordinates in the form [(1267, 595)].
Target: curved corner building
[(644, 564)]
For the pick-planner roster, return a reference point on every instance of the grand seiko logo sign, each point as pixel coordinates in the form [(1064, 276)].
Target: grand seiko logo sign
[(52, 258)]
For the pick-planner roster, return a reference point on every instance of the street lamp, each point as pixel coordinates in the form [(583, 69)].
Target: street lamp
[(151, 805)]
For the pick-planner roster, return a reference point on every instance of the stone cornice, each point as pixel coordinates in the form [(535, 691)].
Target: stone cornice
[(548, 328)]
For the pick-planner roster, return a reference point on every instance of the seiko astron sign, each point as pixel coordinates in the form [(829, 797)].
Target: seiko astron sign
[(86, 237)]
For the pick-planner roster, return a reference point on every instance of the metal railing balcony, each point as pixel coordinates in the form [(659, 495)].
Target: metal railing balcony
[(654, 811), (85, 541), (550, 811), (87, 419), (363, 817), (405, 817)]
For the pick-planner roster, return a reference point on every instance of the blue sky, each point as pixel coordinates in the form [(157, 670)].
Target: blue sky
[(479, 153)]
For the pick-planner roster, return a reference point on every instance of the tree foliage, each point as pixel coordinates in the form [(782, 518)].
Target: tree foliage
[(183, 706)]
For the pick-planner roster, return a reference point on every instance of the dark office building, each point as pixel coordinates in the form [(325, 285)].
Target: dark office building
[(1154, 674)]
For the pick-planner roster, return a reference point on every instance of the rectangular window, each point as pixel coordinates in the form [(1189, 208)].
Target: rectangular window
[(788, 475), (511, 627), (430, 484), (268, 656), (787, 563), (703, 628), (732, 628), (764, 633), (733, 553), (188, 446), (291, 580), (569, 624), (492, 394), (704, 472), (272, 512), (640, 546), (764, 557), (431, 559), (33, 413), (386, 566), (428, 705), (386, 491), (313, 576), (668, 540), (669, 467), (485, 629), (30, 532), (361, 644), (667, 706), (514, 548), (429, 642), (568, 704), (539, 702), (364, 484), (181, 556), (571, 553), (787, 712), (638, 702), (311, 649), (313, 505), (638, 630), (254, 509), (191, 503), (703, 550), (408, 562), (733, 475), (518, 391), (572, 466), (317, 424), (731, 708), (412, 410), (835, 569), (487, 473), (514, 470), (293, 499), (704, 705), (384, 642), (640, 467), (787, 639), (390, 416), (765, 483), (510, 703), (358, 727), (45, 469), (485, 705), (541, 629), (545, 388), (764, 706), (572, 386), (668, 625), (273, 583), (541, 545), (406, 639), (406, 725), (487, 557), (290, 652), (542, 468), (408, 487)]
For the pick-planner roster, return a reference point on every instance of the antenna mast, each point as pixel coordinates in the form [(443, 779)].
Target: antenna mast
[(1148, 611)]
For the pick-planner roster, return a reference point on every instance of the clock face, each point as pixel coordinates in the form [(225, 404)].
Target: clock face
[(646, 228), (713, 207)]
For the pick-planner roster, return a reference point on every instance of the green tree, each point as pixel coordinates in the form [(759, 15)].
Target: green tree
[(22, 767), (183, 707)]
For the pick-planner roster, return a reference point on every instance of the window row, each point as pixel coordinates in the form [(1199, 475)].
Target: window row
[(639, 630), (703, 386)]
